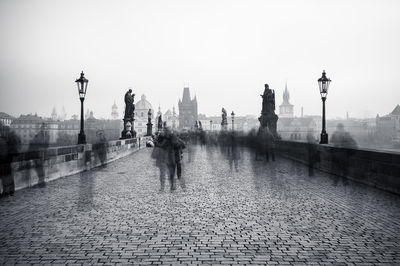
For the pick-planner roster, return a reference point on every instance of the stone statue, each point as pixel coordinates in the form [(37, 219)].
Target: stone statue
[(268, 118), (159, 123), (129, 106), (149, 124), (129, 131), (224, 122), (268, 104), (149, 115)]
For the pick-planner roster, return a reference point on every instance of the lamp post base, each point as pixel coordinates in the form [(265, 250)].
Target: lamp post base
[(81, 138), (324, 138)]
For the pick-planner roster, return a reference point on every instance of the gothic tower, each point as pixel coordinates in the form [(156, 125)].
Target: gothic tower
[(187, 110), (54, 116), (286, 109)]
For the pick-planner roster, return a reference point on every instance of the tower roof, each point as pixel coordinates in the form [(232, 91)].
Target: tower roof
[(396, 110), (186, 95), (168, 113)]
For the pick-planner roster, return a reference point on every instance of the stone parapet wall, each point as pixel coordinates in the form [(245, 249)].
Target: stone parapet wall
[(37, 167), (380, 169)]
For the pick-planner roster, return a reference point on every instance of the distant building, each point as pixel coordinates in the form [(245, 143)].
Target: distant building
[(242, 123), (5, 123), (28, 126), (175, 119), (63, 114), (290, 127), (171, 118), (285, 109), (114, 111), (297, 128), (70, 128), (110, 129), (167, 117), (54, 115), (187, 110), (141, 109), (388, 127)]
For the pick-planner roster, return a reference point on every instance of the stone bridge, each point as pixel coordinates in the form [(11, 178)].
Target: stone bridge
[(234, 210)]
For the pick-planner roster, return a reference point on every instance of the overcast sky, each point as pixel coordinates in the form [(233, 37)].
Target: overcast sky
[(226, 50)]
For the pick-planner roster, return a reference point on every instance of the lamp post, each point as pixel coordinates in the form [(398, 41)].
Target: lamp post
[(323, 83), (210, 125), (82, 86), (233, 120)]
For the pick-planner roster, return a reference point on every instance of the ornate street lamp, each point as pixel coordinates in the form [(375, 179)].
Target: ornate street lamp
[(323, 84), (210, 125), (82, 87), (233, 120)]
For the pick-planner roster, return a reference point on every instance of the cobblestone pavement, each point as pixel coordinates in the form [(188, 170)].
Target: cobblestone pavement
[(261, 213)]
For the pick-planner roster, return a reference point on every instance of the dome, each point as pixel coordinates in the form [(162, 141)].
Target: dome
[(143, 104)]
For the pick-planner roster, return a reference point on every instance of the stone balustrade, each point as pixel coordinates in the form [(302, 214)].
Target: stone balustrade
[(380, 169), (40, 166)]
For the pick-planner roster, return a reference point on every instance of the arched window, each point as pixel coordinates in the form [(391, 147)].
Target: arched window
[(141, 114)]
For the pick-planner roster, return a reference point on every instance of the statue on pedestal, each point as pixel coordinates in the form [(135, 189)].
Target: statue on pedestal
[(129, 131), (224, 123), (149, 124), (268, 118)]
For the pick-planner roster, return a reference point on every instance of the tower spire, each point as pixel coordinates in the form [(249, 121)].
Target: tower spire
[(286, 95)]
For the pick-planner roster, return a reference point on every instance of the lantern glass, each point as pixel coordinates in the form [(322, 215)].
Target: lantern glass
[(82, 83), (323, 84)]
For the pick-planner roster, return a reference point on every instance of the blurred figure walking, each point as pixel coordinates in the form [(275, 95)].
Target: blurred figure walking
[(341, 157), (266, 144), (160, 155), (176, 162), (168, 155), (313, 153)]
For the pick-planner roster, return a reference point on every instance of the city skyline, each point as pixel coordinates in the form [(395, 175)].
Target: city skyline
[(225, 50)]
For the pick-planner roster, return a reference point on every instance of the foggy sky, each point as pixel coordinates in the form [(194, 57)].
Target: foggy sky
[(226, 50)]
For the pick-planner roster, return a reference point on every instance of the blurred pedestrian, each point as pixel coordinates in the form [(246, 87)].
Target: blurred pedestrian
[(160, 155), (341, 157), (178, 146), (270, 145), (170, 157), (265, 144), (313, 153), (342, 138)]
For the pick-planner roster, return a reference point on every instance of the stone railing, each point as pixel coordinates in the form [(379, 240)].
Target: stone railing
[(27, 169), (380, 169)]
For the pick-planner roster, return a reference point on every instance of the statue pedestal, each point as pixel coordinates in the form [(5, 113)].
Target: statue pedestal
[(149, 129), (128, 131), (269, 121)]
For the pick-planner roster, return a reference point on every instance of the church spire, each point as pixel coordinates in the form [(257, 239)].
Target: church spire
[(286, 95)]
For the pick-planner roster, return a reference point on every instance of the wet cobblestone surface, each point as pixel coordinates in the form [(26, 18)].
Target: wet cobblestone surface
[(260, 213)]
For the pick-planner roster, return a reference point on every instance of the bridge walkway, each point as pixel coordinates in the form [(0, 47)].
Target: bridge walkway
[(233, 211)]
